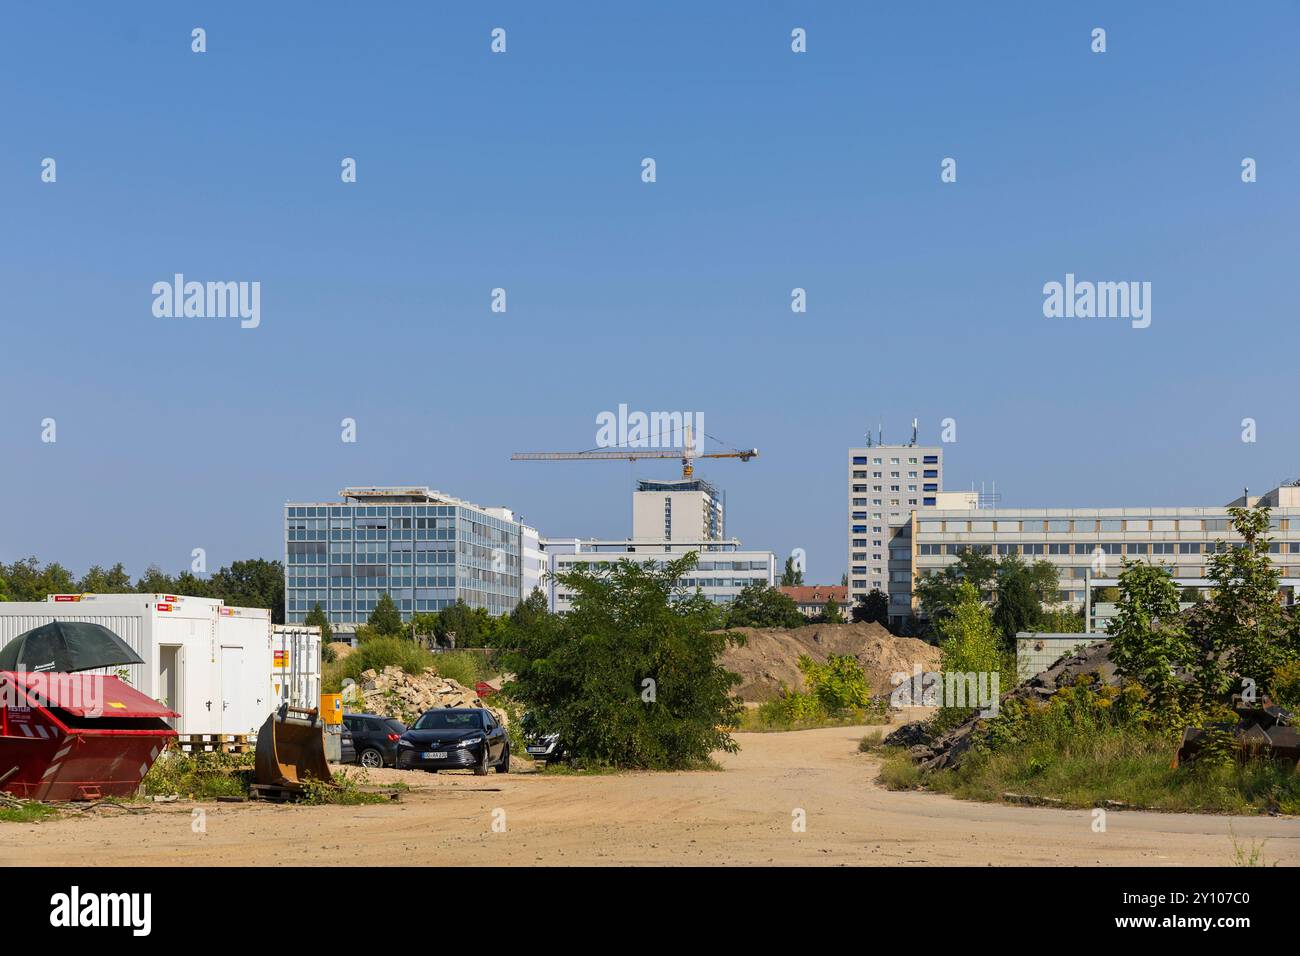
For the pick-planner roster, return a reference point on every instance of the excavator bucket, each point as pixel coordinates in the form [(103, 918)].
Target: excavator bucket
[(291, 749)]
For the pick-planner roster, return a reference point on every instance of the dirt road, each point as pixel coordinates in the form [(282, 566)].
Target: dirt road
[(740, 815)]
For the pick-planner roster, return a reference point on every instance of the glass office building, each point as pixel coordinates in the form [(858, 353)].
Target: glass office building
[(424, 548)]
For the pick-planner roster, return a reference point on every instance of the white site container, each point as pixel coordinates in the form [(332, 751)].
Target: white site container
[(183, 642), (244, 636), (295, 665)]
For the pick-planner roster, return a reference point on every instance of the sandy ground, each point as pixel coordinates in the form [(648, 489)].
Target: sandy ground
[(742, 814)]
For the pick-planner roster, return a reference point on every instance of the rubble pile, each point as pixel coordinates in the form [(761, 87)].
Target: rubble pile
[(392, 692), (949, 748)]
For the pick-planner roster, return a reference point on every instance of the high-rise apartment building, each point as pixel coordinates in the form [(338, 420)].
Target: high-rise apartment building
[(887, 484)]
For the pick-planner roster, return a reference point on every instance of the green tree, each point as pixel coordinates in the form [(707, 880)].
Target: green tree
[(155, 581), (386, 620), (1147, 637), (872, 607), (791, 576), (968, 636), (969, 643), (1241, 631), (831, 612), (113, 581), (530, 609), (631, 676), (1044, 579), (1018, 606), (1061, 621), (252, 583), (459, 626), (760, 605), (27, 580), (937, 593), (316, 617)]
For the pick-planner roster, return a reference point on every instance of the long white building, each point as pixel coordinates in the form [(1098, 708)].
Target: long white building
[(1088, 546), (724, 568)]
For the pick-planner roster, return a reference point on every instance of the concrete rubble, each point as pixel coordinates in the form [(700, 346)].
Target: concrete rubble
[(949, 748), (392, 692)]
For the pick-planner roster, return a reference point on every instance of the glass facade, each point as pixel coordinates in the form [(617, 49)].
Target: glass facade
[(344, 556)]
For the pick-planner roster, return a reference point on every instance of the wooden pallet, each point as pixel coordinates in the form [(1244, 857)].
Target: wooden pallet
[(214, 743)]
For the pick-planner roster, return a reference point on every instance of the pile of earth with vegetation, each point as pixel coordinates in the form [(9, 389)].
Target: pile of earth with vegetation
[(837, 693), (1101, 727), (770, 660)]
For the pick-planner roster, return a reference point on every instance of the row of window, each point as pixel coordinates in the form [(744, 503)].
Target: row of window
[(1086, 525), (863, 460), (1105, 547)]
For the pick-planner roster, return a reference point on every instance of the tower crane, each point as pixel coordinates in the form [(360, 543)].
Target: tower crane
[(687, 454)]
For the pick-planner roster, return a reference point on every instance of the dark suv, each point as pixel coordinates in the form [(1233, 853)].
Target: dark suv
[(374, 738)]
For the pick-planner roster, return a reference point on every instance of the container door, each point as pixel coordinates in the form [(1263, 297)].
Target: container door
[(234, 720), (169, 682)]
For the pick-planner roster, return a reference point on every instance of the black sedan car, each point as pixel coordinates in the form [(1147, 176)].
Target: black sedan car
[(374, 739), (455, 738)]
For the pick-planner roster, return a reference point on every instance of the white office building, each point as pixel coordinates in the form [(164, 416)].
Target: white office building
[(722, 570), (1089, 546), (670, 518)]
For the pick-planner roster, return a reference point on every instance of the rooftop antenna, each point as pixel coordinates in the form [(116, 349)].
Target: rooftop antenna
[(880, 433), (913, 431), (868, 437)]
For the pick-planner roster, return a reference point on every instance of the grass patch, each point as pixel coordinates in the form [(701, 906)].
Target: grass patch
[(376, 653), (792, 712), (898, 772), (1130, 766), (464, 667), (27, 813), (1088, 745), (348, 790), (200, 776), (871, 742)]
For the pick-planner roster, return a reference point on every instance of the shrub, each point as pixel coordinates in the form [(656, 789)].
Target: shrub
[(202, 775), (838, 684), (631, 676)]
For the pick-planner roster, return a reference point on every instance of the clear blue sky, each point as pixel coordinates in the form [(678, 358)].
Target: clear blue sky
[(522, 170)]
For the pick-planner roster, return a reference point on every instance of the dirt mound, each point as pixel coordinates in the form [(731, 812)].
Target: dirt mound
[(770, 656), (341, 649), (394, 693)]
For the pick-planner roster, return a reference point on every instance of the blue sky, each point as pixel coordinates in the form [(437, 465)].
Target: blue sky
[(522, 171)]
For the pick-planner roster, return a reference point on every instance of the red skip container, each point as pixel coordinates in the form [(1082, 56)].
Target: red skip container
[(76, 736)]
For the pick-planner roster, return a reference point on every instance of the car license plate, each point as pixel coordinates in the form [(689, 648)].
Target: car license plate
[(434, 755), (536, 750)]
